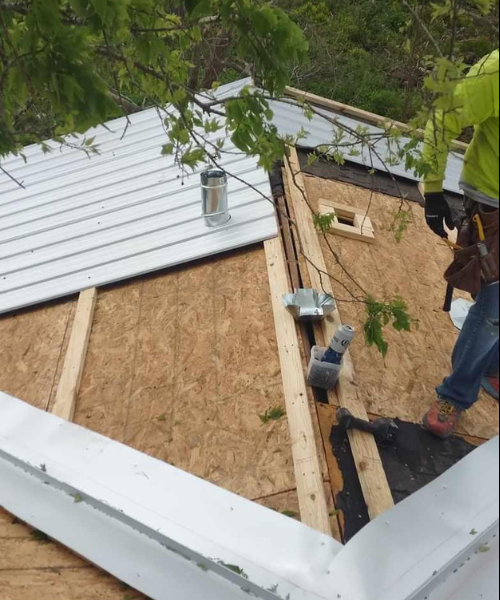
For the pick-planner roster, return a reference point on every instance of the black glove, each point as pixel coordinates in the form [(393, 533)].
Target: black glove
[(438, 212)]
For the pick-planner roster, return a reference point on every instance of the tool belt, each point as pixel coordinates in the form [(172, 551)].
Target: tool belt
[(477, 262)]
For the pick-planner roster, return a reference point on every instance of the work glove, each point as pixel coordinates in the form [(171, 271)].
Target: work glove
[(438, 212)]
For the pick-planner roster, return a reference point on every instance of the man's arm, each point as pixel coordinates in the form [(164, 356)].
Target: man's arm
[(473, 104)]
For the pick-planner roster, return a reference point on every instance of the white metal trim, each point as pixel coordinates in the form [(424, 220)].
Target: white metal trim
[(138, 515), (160, 530)]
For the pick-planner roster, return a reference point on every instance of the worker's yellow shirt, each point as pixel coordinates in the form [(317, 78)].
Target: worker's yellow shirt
[(476, 104)]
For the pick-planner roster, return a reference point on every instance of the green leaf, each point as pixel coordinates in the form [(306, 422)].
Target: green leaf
[(234, 568), (199, 8), (192, 158), (290, 514), (101, 8), (167, 149), (40, 537), (323, 223), (80, 6), (273, 414)]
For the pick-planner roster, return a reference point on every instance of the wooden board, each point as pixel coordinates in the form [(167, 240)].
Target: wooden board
[(76, 354), (363, 115), (312, 501), (402, 385), (376, 490)]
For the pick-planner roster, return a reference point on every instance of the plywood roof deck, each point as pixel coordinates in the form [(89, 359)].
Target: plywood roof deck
[(180, 366), (403, 385)]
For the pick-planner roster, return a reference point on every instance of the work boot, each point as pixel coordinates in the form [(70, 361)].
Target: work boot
[(492, 386), (442, 419)]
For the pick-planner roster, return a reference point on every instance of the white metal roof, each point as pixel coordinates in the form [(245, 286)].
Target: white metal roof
[(84, 222), (161, 530), (171, 535), (290, 119)]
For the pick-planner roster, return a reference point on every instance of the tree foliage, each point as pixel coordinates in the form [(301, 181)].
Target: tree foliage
[(69, 65), (371, 54)]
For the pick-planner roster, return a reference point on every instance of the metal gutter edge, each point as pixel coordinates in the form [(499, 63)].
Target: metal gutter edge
[(158, 529), (171, 535)]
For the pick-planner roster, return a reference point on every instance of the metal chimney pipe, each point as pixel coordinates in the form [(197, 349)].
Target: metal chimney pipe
[(215, 203)]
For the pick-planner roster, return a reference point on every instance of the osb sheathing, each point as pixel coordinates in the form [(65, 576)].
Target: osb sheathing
[(31, 352), (180, 366), (403, 384)]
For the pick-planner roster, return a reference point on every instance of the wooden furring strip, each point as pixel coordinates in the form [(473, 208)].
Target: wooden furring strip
[(310, 488), (376, 490), (365, 116), (71, 377)]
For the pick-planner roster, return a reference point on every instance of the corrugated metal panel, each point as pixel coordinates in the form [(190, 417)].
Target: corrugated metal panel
[(82, 223), (290, 120)]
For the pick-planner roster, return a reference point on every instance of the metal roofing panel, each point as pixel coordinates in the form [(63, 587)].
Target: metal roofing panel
[(290, 120), (82, 223)]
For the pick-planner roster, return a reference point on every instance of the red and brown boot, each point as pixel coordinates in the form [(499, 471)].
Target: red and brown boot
[(442, 419)]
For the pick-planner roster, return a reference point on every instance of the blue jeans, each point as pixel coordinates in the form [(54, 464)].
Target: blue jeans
[(476, 354)]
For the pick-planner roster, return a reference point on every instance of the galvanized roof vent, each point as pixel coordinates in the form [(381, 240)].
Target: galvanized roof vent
[(215, 205)]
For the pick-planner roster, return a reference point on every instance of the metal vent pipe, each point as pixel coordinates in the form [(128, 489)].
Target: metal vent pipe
[(215, 203)]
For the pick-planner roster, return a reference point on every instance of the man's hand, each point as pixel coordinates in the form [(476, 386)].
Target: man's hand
[(438, 212)]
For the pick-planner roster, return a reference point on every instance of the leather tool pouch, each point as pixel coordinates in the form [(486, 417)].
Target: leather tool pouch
[(478, 261)]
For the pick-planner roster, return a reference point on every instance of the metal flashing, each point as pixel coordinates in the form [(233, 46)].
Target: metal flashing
[(171, 535)]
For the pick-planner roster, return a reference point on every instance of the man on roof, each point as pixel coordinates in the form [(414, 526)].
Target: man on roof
[(475, 269)]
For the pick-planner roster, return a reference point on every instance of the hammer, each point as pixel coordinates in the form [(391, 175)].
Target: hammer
[(385, 431)]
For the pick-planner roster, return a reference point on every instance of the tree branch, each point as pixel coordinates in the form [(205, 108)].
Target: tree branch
[(128, 106), (17, 7), (424, 27), (179, 27), (482, 20), (16, 181)]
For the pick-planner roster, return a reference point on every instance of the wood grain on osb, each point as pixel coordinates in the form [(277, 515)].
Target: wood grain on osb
[(31, 345), (181, 364), (61, 583), (403, 385), (32, 570)]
